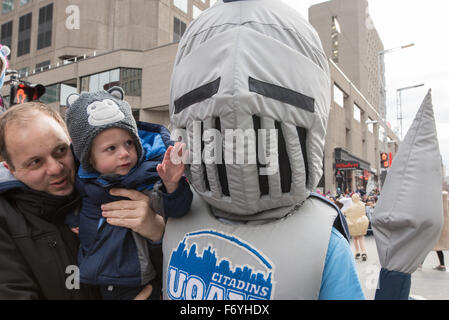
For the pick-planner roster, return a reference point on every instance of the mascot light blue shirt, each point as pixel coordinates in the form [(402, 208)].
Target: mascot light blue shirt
[(340, 278)]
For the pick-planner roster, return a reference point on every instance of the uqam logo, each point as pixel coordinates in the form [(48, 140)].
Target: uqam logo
[(206, 275)]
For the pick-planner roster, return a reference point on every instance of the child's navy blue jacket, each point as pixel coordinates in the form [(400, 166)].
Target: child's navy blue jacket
[(111, 255)]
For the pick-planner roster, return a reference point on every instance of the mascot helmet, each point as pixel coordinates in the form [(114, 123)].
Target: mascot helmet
[(251, 77)]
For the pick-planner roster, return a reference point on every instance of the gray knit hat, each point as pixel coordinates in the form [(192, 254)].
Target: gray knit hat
[(90, 113)]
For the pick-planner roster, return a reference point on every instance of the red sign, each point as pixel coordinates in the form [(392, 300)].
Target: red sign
[(347, 165)]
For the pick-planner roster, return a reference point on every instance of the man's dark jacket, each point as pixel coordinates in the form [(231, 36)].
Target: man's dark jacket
[(36, 247)]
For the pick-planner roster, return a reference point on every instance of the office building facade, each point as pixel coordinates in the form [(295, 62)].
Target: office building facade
[(54, 37), (351, 41), (112, 55)]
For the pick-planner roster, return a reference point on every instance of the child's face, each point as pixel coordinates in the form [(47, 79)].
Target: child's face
[(113, 151)]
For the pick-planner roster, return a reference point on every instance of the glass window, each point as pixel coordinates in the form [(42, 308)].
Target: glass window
[(196, 12), (357, 113), (334, 35), (65, 91), (45, 27), (23, 72), (115, 76), (335, 25), (103, 80), (24, 2), (112, 81), (131, 81), (6, 34), (179, 28), (51, 94), (7, 6), (84, 84), (24, 34), (43, 66), (93, 82), (181, 5), (339, 96)]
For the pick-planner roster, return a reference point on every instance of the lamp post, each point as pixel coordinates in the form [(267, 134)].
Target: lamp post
[(400, 116), (380, 54)]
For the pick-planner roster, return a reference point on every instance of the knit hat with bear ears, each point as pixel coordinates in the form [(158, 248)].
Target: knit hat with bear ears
[(89, 114)]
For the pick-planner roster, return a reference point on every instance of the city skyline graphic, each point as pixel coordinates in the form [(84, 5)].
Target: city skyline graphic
[(219, 272)]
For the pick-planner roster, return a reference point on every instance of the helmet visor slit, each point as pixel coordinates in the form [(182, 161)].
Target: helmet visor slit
[(302, 134), (263, 179), (285, 170), (221, 168), (203, 165)]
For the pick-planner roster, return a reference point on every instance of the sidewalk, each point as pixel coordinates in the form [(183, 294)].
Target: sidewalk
[(426, 284)]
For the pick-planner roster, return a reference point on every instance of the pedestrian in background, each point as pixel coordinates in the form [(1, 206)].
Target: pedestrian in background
[(443, 243), (358, 225)]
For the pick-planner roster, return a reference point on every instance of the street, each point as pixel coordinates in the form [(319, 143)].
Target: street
[(427, 283)]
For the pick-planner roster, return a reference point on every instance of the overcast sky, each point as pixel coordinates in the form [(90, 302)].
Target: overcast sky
[(425, 23)]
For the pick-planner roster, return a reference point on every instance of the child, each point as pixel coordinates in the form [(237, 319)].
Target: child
[(115, 153)]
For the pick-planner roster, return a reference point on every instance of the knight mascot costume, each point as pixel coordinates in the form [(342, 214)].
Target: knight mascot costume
[(250, 97)]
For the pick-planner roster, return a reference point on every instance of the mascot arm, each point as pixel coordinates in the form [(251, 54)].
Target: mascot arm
[(171, 205), (408, 218), (393, 285)]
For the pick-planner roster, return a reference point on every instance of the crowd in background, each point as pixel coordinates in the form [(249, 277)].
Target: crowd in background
[(369, 200), (358, 208), (360, 226)]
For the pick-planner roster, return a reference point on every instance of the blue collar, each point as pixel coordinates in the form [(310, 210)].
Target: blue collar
[(8, 181), (153, 146)]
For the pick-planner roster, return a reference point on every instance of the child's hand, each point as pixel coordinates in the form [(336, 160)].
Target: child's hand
[(76, 230), (172, 167)]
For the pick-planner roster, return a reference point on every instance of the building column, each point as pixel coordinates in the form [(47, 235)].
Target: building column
[(155, 116)]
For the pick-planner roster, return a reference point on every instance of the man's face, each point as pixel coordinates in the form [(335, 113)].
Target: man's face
[(40, 153)]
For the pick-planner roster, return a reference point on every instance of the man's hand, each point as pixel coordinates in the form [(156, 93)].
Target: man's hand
[(172, 167), (145, 293), (134, 214)]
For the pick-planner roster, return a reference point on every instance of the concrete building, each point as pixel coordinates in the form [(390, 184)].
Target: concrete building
[(350, 39), (59, 38), (356, 136), (43, 33), (144, 75), (106, 51)]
